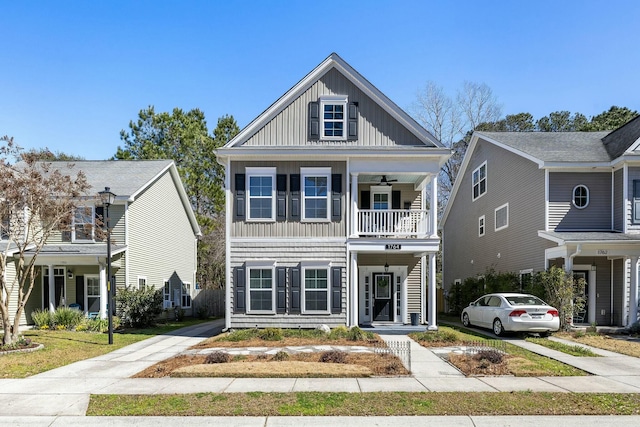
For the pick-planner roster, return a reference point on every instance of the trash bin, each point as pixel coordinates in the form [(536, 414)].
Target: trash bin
[(414, 319)]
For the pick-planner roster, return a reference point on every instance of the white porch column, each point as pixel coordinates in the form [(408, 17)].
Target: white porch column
[(433, 209), (633, 292), (592, 296), (52, 289), (355, 290), (103, 291), (432, 293), (354, 205)]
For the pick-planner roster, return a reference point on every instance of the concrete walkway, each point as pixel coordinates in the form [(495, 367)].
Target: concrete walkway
[(61, 396)]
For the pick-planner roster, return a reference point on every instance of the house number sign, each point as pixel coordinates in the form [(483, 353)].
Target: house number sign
[(393, 247), (603, 252)]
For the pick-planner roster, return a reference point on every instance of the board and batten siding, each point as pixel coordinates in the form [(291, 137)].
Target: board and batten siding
[(288, 254), (376, 127), (632, 174), (290, 228), (165, 251), (510, 179), (563, 215)]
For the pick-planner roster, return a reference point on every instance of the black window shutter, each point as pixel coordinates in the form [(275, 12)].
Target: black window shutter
[(352, 124), (336, 290), (365, 199), (395, 200), (239, 301), (80, 292), (240, 196), (294, 301), (294, 187), (336, 196), (101, 220), (281, 290), (314, 120), (281, 197)]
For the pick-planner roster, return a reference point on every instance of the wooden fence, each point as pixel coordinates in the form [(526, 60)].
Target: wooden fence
[(211, 300)]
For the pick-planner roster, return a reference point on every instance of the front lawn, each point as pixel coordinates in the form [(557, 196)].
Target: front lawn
[(64, 347), (616, 344)]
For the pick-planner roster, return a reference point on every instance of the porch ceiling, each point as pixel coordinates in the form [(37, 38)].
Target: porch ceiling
[(391, 179)]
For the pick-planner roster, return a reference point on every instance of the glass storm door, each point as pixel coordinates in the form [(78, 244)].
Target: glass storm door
[(383, 297)]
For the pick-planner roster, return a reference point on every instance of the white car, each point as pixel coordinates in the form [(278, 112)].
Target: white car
[(511, 312)]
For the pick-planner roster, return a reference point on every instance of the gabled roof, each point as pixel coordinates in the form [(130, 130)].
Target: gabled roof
[(623, 139), (127, 179), (334, 61)]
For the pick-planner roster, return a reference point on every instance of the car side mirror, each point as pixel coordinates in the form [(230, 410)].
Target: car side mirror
[(472, 304)]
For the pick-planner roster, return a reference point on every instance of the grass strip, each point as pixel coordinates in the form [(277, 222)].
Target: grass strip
[(573, 350), (364, 404)]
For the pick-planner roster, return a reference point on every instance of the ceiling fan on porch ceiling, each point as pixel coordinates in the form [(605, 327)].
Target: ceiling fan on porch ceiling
[(385, 181)]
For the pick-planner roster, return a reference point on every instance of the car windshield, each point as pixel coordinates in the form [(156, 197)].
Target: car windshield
[(525, 300)]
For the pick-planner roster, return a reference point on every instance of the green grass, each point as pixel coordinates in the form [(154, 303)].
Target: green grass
[(573, 350), (365, 404), (64, 347)]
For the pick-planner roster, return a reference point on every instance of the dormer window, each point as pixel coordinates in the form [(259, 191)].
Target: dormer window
[(581, 196), (333, 118)]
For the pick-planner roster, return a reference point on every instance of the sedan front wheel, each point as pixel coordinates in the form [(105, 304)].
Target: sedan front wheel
[(465, 320), (497, 327)]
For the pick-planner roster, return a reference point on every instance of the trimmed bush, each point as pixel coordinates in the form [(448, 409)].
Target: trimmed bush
[(101, 325), (339, 332), (217, 357), (280, 356), (333, 356), (491, 356), (139, 307), (67, 318), (270, 334)]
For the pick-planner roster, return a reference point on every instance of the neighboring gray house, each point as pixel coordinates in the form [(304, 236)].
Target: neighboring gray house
[(327, 209), (525, 201), (154, 240)]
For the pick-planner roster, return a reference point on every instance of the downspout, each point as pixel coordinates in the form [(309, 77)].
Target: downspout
[(611, 298), (569, 267)]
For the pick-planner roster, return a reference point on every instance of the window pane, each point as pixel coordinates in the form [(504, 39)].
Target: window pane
[(315, 208), (260, 186), (315, 300), (261, 300), (260, 208)]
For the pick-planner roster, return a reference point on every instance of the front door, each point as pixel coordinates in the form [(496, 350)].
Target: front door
[(383, 297), (582, 316)]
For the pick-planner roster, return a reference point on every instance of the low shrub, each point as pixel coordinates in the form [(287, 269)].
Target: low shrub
[(280, 356), (67, 318), (100, 325), (333, 356), (357, 334), (139, 307), (634, 329), (42, 319), (217, 357), (491, 356), (270, 334), (202, 312), (241, 335), (437, 336), (339, 332)]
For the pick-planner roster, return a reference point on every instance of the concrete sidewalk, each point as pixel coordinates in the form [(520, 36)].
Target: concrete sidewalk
[(65, 391)]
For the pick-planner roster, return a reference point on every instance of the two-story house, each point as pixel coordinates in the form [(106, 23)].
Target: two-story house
[(525, 201), (331, 197), (154, 236)]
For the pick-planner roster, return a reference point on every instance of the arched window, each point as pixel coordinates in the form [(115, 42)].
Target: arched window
[(580, 196)]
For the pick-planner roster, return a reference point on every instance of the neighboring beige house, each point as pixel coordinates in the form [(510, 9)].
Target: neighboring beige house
[(525, 201), (331, 198), (154, 240)]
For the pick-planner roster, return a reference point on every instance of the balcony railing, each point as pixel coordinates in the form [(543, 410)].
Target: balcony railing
[(393, 223)]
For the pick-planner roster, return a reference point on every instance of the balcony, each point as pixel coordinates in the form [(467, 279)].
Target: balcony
[(393, 223)]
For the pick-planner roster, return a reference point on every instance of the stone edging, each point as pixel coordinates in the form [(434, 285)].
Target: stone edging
[(23, 350)]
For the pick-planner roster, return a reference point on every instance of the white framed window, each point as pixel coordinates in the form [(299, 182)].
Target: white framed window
[(316, 193), (261, 290), (315, 288), (142, 282), (92, 295), (526, 277), (83, 222), (261, 200), (481, 226), (166, 295), (186, 295), (333, 114), (479, 181), (580, 196), (502, 217), (380, 197)]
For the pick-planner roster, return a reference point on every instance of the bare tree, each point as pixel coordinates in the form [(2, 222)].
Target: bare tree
[(35, 202), (451, 121)]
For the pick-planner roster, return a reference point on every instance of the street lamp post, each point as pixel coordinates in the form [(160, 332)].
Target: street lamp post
[(107, 199)]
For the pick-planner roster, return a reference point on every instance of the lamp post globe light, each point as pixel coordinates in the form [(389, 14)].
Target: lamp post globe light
[(108, 198)]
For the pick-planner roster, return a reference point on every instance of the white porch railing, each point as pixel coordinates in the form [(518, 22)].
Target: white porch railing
[(393, 223)]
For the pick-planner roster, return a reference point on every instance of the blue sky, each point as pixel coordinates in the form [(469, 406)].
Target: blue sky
[(74, 73)]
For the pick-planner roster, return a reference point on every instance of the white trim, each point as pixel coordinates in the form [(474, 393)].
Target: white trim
[(92, 223), (546, 199), (380, 189), (183, 294), (260, 172), (495, 217), (334, 100), (473, 183), (573, 196), (261, 265), (314, 265), (138, 282), (85, 303), (482, 229), (625, 199), (324, 172), (227, 267)]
